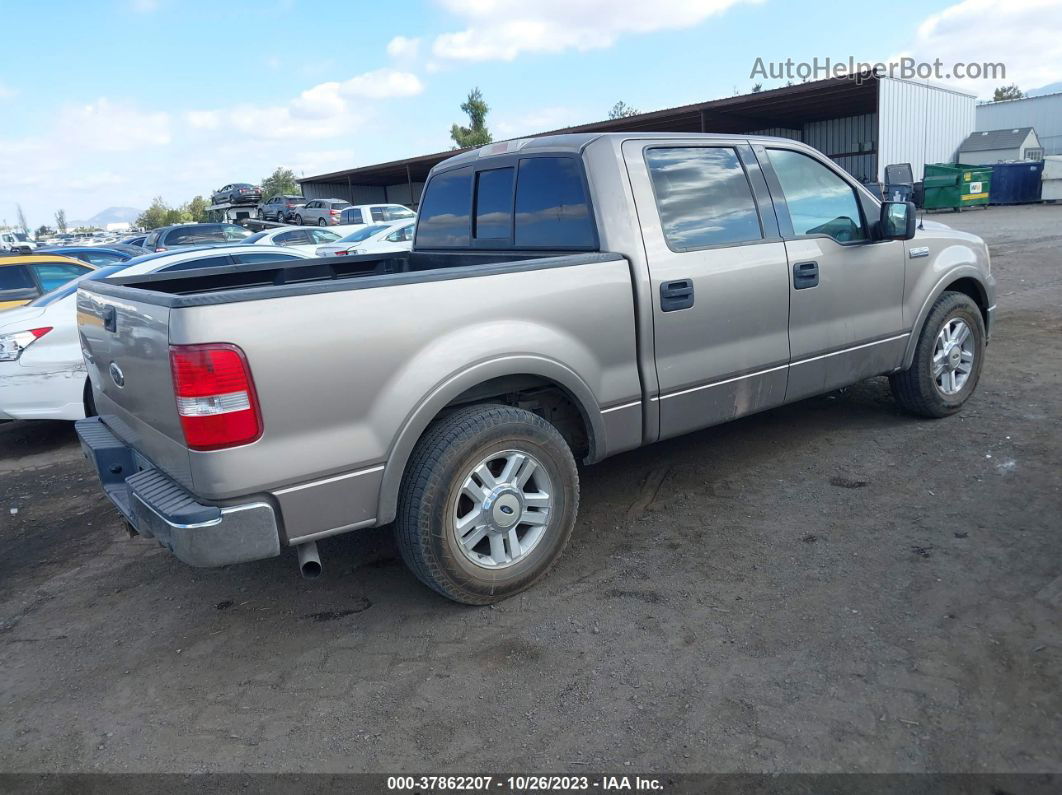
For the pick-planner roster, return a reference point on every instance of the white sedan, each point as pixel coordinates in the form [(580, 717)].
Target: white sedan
[(42, 372), (305, 239), (372, 239)]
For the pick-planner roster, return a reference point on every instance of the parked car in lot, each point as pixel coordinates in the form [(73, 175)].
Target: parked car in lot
[(96, 255), (567, 297), (25, 278), (280, 208), (306, 240), (375, 214), (42, 370), (168, 237), (320, 212), (16, 242), (237, 193), (371, 239), (135, 240)]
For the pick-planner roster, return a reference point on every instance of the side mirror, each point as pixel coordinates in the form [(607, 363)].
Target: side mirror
[(898, 220)]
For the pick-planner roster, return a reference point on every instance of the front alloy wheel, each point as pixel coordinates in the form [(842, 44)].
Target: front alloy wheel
[(947, 359)]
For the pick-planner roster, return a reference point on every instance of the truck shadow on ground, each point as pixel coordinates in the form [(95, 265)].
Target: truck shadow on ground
[(363, 567)]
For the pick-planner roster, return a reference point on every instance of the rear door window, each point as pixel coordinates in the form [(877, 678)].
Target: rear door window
[(56, 274), (444, 212), (552, 210), (494, 204), (16, 283), (703, 197)]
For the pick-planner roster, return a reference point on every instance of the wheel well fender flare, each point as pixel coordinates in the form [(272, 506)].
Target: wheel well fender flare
[(448, 390), (963, 279)]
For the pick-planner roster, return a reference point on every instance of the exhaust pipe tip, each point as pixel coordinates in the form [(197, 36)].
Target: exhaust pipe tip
[(309, 560)]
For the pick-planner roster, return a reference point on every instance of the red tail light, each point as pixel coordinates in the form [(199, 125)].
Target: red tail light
[(215, 396), (341, 253), (334, 212)]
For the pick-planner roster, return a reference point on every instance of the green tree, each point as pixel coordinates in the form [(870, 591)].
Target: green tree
[(280, 183), (158, 214), (476, 133), (1007, 92), (197, 210), (43, 231), (60, 221), (622, 110), (756, 89)]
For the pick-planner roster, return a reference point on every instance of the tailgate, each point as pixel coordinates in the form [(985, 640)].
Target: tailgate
[(127, 351)]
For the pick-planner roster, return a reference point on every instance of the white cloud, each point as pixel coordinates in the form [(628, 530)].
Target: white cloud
[(144, 6), (402, 47), (1021, 34), (6, 92), (503, 29), (382, 84), (107, 126), (538, 121)]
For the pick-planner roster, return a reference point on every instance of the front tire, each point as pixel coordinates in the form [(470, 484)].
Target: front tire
[(948, 359), (487, 504), (298, 220)]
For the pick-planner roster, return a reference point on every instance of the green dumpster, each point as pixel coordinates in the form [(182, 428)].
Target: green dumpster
[(952, 186)]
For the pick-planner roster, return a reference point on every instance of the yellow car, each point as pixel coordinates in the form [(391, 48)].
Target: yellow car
[(28, 276)]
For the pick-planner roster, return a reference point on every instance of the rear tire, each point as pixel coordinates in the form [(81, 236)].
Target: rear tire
[(948, 359), (487, 504), (322, 222)]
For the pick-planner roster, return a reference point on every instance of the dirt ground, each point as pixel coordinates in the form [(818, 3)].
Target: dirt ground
[(831, 586)]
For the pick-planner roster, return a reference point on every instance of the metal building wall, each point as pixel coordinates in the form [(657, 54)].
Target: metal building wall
[(1044, 114), (920, 123), (355, 194), (851, 142), (399, 193)]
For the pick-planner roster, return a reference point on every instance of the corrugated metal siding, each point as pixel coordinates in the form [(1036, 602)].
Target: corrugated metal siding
[(920, 123), (356, 194), (1043, 114), (399, 193), (851, 142)]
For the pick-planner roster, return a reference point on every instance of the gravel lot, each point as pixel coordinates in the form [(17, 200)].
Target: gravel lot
[(831, 586)]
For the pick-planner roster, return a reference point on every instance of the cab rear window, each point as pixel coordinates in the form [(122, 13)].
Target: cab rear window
[(478, 207)]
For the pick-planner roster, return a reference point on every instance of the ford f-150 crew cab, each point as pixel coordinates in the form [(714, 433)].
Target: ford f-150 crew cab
[(567, 298)]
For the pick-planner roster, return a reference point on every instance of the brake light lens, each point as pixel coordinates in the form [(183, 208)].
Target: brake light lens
[(334, 212), (215, 395), (12, 345)]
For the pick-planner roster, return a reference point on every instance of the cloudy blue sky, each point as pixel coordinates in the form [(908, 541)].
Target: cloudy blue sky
[(114, 101)]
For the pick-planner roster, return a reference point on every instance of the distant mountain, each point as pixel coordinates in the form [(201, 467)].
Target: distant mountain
[(112, 215), (1052, 88)]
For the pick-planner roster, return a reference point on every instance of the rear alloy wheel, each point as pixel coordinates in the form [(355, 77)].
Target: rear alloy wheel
[(322, 222), (488, 503), (947, 361)]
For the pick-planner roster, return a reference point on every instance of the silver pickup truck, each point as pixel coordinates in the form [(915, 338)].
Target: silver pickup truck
[(567, 298)]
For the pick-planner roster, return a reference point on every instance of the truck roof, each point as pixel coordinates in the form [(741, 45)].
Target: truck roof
[(576, 142)]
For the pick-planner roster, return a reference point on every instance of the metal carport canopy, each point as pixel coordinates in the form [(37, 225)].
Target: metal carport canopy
[(789, 106)]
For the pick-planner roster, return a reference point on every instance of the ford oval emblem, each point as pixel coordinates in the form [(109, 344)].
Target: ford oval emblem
[(117, 375)]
